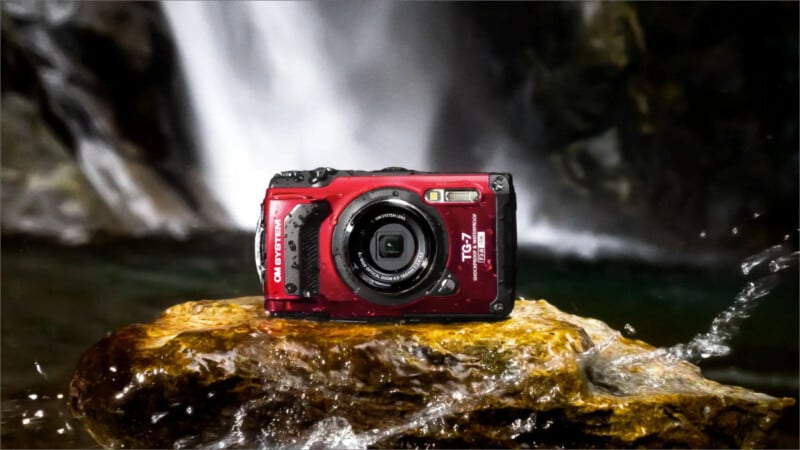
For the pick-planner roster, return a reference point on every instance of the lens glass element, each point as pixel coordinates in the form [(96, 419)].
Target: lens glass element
[(390, 246)]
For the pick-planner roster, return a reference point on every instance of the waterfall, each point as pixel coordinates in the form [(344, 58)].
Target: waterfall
[(297, 85), (273, 90)]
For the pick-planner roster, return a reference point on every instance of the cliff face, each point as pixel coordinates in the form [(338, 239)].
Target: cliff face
[(682, 117), (94, 120)]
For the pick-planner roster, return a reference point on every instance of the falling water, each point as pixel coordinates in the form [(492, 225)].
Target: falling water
[(279, 86), (275, 87)]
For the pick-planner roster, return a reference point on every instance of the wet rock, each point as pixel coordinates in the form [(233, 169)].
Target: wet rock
[(225, 373)]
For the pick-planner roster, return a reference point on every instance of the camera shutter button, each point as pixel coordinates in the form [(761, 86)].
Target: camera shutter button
[(321, 174)]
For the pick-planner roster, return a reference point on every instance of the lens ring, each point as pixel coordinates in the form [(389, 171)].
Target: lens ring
[(379, 281), (395, 278)]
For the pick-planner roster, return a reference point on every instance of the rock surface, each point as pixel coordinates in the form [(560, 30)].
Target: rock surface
[(43, 189), (94, 130), (225, 373)]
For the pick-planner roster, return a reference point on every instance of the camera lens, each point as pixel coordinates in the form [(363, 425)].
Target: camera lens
[(389, 246), (392, 247)]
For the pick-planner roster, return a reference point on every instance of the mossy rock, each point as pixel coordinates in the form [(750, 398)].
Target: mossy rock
[(226, 373)]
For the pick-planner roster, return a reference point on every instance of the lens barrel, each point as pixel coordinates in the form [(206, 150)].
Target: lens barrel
[(389, 246)]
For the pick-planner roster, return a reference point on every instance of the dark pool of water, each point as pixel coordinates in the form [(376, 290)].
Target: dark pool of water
[(57, 301)]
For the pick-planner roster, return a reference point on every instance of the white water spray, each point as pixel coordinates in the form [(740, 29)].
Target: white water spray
[(716, 341)]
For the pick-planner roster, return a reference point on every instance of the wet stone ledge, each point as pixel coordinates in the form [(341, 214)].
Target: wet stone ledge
[(224, 373)]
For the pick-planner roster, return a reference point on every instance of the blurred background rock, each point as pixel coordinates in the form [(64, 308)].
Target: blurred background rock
[(94, 138)]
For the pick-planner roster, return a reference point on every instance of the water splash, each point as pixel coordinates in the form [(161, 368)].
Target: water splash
[(716, 341), (337, 432), (646, 372), (632, 374)]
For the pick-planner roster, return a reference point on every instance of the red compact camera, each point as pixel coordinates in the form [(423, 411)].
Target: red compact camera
[(391, 244)]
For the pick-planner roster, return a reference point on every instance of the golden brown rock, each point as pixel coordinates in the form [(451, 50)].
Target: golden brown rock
[(225, 373)]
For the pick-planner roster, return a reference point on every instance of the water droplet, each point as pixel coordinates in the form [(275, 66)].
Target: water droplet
[(783, 262), (33, 396), (629, 330), (39, 369), (735, 231), (753, 261), (158, 416), (703, 234)]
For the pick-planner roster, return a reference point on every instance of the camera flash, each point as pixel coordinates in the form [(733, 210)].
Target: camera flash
[(461, 196), (434, 195)]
